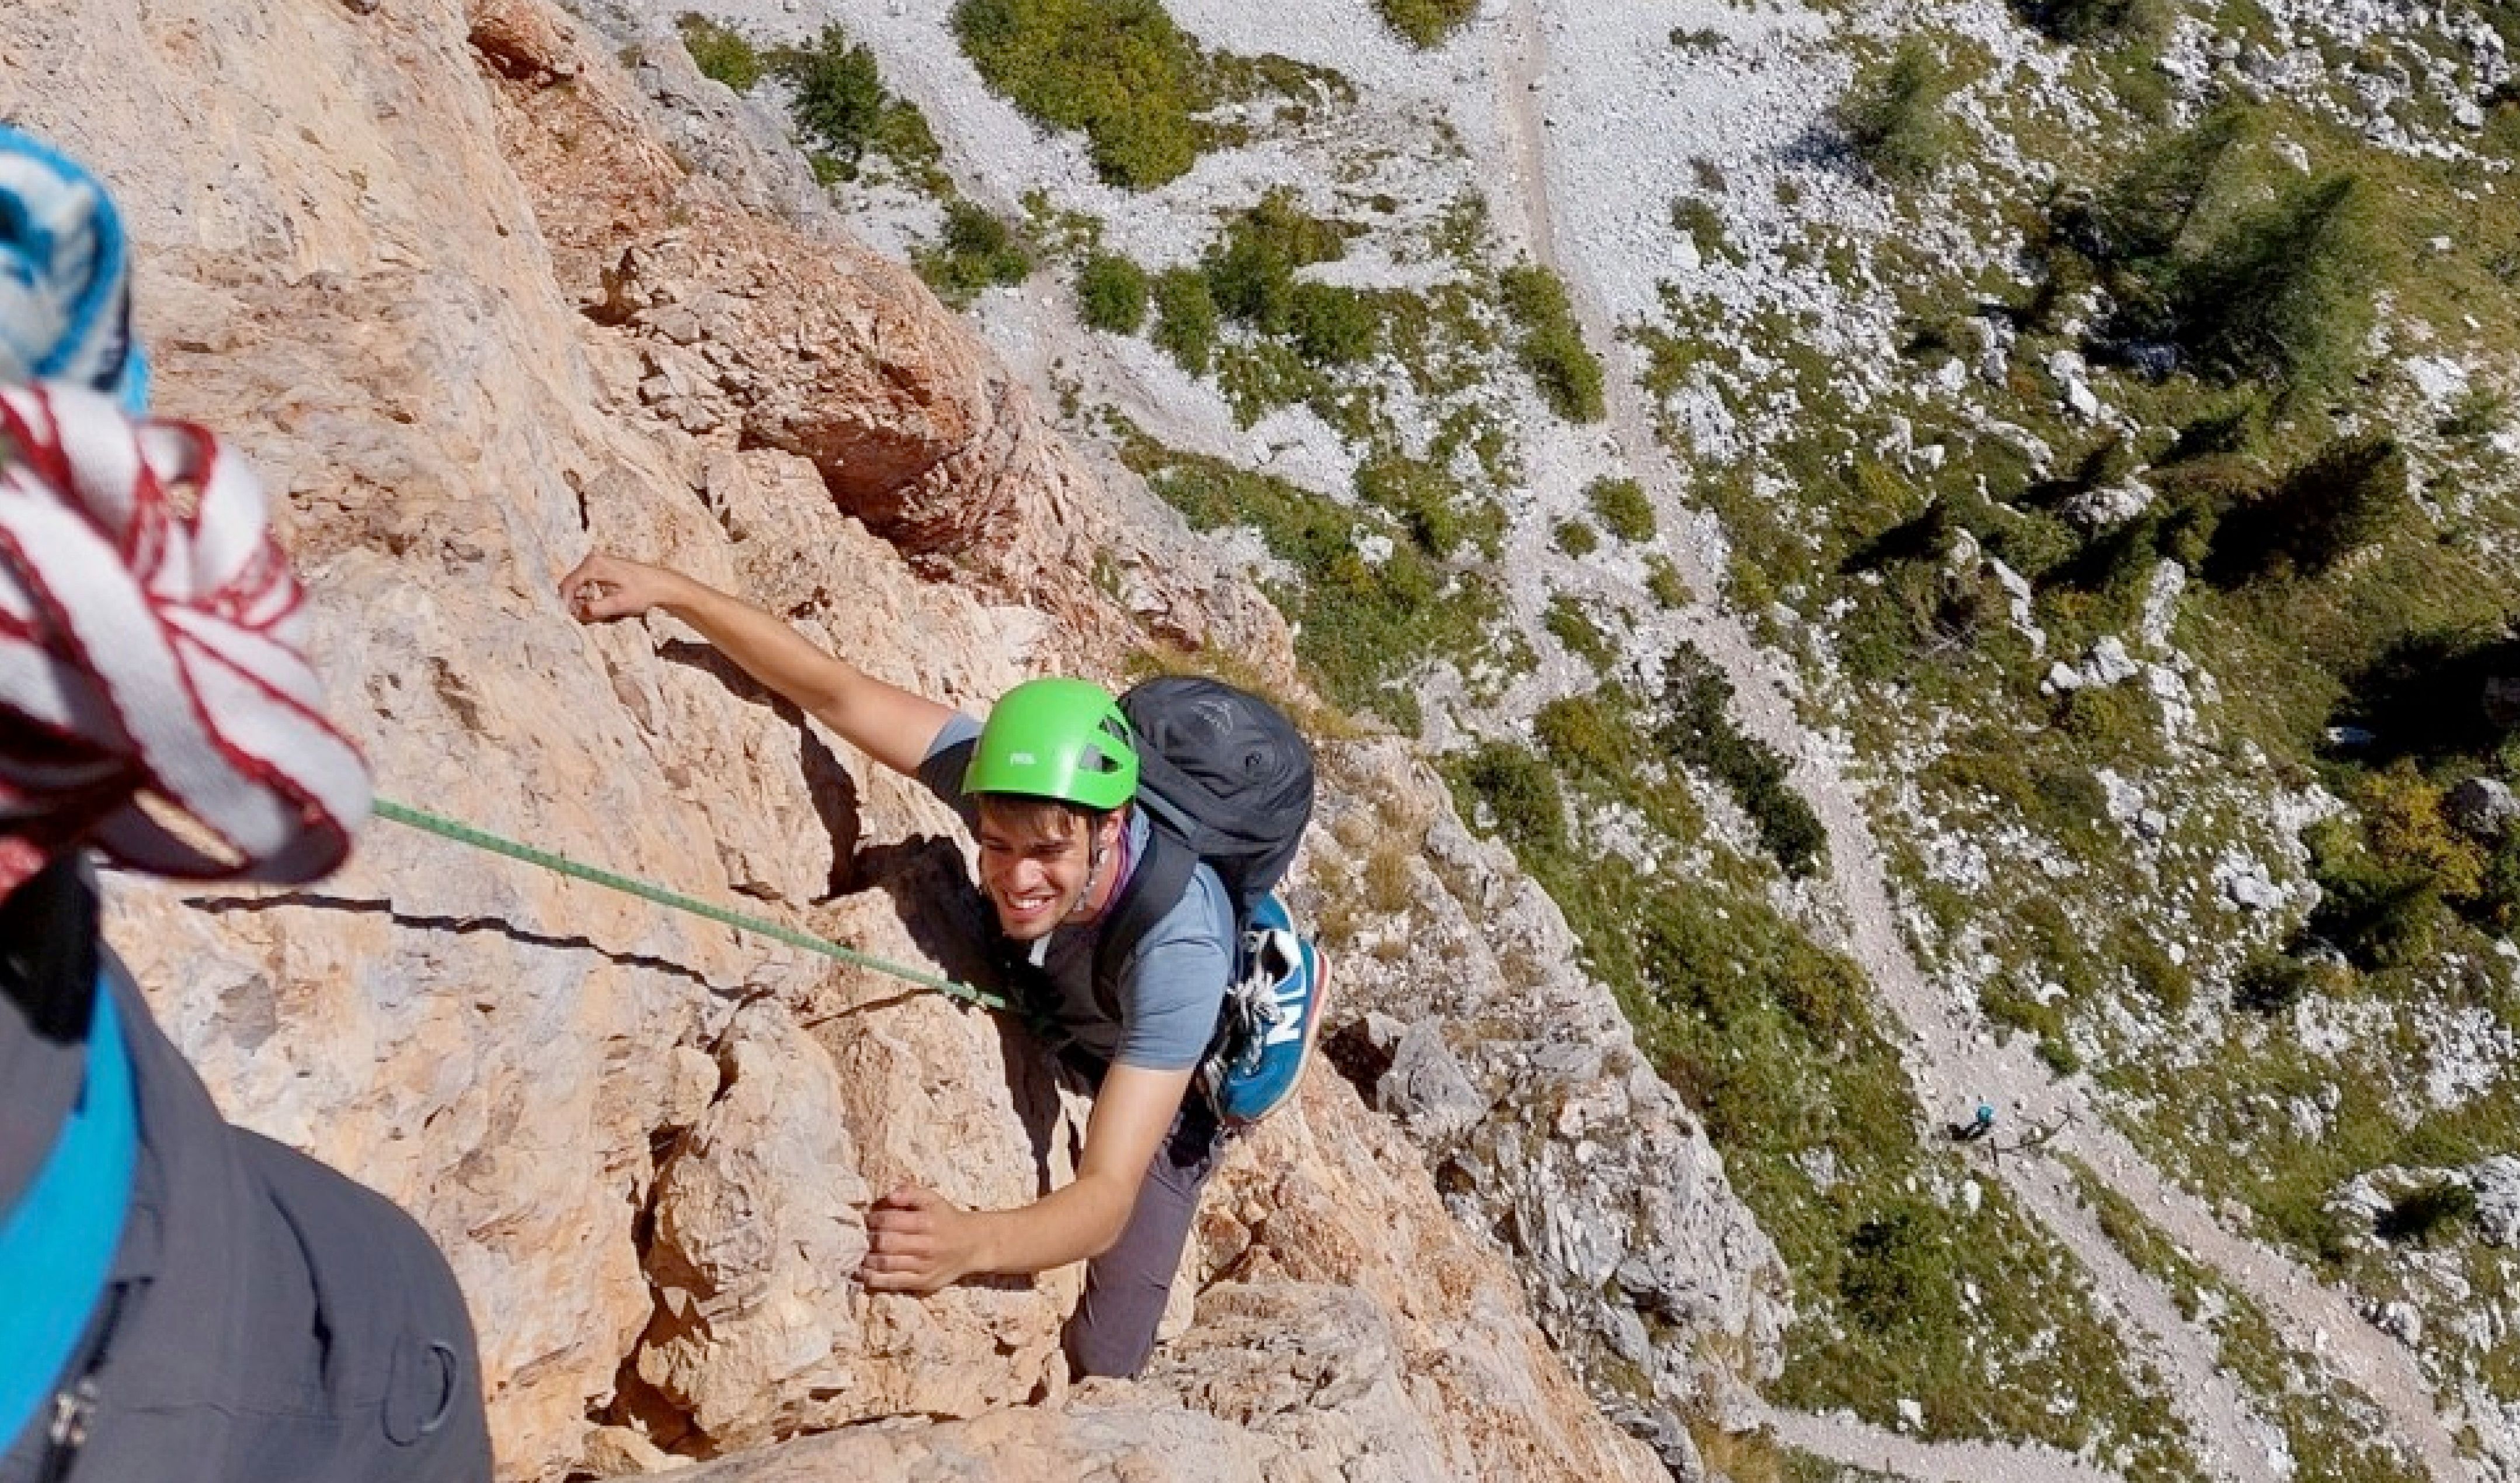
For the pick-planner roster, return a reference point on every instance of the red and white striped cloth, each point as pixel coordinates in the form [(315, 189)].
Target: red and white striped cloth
[(147, 651)]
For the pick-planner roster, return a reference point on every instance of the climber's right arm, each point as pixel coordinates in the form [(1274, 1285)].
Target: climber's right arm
[(885, 722)]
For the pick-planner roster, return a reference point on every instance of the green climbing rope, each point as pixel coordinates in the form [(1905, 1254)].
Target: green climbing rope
[(483, 839)]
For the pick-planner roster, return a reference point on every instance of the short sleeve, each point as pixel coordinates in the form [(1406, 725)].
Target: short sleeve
[(1173, 989), (948, 758)]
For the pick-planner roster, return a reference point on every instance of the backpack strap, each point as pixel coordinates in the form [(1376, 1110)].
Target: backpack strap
[(1153, 889)]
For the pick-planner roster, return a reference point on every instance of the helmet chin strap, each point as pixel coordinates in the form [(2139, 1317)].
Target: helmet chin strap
[(1093, 862)]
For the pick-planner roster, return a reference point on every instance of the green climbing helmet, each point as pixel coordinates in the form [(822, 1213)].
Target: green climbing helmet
[(1057, 738)]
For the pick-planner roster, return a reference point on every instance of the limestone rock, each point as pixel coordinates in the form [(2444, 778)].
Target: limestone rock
[(2484, 807), (2496, 1181), (1426, 1088)]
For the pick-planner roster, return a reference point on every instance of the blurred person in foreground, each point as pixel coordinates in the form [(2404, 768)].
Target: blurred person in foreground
[(180, 1299)]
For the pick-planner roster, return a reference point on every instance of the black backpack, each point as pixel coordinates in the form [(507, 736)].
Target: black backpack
[(1224, 777)]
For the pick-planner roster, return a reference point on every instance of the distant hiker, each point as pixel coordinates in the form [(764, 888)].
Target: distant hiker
[(1133, 935), (1980, 1123), (179, 1298)]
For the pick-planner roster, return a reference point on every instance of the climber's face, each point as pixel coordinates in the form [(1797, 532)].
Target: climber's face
[(1044, 864)]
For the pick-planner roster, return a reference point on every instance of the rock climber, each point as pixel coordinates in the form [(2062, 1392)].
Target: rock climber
[(179, 1298), (1046, 786)]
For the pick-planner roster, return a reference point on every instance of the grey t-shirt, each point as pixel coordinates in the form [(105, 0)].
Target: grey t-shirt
[(1172, 988)]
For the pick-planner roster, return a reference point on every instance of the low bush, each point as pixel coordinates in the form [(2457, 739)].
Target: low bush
[(1568, 622), (1250, 271), (1893, 115), (1425, 24), (1112, 293), (722, 53), (2285, 294), (1623, 510), (2083, 21), (1697, 727), (1185, 319), (1333, 326), (2426, 1213), (2272, 983), (1587, 734), (1703, 226), (843, 112), (1552, 347), (1578, 539), (1427, 500), (1121, 70), (2344, 497), (976, 251), (1520, 793)]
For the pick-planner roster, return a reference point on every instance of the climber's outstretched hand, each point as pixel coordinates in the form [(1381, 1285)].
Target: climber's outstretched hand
[(919, 1241), (606, 586)]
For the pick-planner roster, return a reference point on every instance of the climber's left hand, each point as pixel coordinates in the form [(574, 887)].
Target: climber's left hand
[(919, 1241)]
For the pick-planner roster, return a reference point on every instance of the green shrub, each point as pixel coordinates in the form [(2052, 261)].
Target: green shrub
[(1250, 271), (1622, 508), (1521, 795), (1898, 1271), (1553, 349), (1112, 293), (2479, 412), (1703, 226), (2272, 983), (1117, 69), (976, 251), (1893, 115), (2285, 294), (2147, 212), (1664, 581), (2380, 915), (1333, 326), (722, 53), (1426, 500), (1587, 734), (839, 94), (2426, 1212), (1363, 628), (1697, 727), (2089, 20), (1425, 23), (1573, 627), (2344, 497), (1185, 319), (842, 110), (1578, 539)]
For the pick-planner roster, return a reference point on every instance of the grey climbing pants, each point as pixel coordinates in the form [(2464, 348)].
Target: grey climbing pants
[(1113, 1330)]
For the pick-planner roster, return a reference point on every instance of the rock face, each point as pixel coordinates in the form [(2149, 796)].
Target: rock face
[(436, 269), (1543, 1120)]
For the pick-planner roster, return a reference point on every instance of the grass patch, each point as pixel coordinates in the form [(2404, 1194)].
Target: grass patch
[(977, 250), (1893, 115), (1621, 506), (722, 53), (1425, 24), (1364, 628), (1550, 344)]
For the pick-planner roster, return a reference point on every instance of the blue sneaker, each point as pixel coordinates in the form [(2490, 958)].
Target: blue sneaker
[(1274, 1012)]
